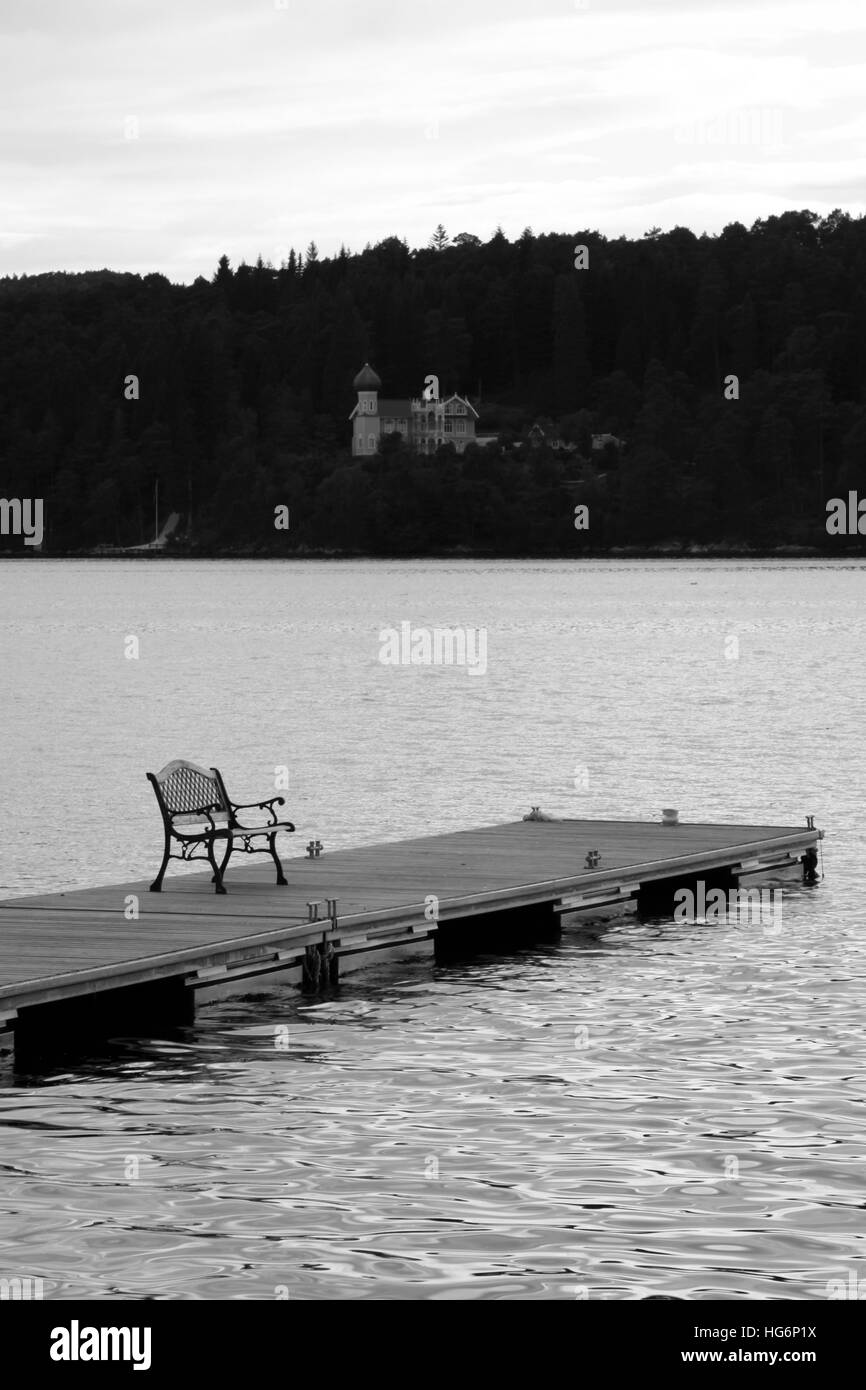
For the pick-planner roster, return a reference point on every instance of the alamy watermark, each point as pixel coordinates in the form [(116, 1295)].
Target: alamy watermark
[(761, 127), (21, 1288), (850, 1287), (438, 646), (846, 518), (22, 516), (757, 906), (77, 1343)]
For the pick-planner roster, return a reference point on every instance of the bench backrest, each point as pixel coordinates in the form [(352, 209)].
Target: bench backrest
[(186, 791)]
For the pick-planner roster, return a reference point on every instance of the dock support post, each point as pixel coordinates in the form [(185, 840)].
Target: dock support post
[(311, 970), (330, 963), (320, 967)]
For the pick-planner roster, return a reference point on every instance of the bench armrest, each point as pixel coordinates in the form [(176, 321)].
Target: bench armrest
[(259, 806)]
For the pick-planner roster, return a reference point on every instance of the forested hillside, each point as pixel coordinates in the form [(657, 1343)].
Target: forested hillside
[(244, 389)]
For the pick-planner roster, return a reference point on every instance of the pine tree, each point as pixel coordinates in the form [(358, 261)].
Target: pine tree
[(223, 273)]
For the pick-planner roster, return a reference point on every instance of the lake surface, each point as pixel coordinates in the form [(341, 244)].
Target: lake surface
[(439, 1131)]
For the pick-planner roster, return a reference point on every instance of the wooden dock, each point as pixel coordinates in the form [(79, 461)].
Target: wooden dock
[(70, 957)]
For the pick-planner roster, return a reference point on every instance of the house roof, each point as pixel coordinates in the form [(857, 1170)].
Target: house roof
[(463, 401), (367, 379), (400, 407)]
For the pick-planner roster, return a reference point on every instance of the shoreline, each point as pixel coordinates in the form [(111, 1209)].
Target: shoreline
[(668, 552)]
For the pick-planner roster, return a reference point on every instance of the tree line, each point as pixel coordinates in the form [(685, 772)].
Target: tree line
[(244, 388)]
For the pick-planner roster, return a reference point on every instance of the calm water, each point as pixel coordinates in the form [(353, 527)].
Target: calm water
[(434, 1131)]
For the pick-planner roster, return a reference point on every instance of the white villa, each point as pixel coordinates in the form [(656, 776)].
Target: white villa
[(424, 422)]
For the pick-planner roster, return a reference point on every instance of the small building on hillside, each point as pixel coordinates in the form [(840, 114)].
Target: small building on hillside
[(425, 421), (544, 433)]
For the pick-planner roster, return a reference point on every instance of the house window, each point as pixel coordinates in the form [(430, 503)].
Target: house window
[(461, 426), (449, 426), (371, 443)]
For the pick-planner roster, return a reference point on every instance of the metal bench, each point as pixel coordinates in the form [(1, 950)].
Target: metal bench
[(189, 795)]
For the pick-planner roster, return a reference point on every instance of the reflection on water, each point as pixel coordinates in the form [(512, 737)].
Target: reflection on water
[(639, 1109), (643, 1108)]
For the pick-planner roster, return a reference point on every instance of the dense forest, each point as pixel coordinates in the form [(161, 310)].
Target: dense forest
[(244, 388)]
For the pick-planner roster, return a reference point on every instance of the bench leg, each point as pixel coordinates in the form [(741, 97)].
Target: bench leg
[(217, 869), (156, 886), (226, 857), (281, 878)]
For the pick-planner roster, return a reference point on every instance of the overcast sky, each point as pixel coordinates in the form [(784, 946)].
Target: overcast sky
[(157, 134)]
